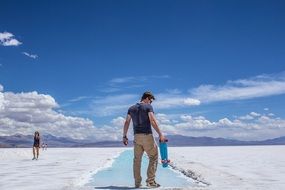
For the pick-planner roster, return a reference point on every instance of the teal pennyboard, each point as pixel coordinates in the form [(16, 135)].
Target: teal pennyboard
[(163, 153)]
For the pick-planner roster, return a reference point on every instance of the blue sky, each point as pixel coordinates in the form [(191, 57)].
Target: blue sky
[(216, 67)]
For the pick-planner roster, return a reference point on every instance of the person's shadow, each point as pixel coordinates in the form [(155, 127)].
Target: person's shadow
[(119, 187)]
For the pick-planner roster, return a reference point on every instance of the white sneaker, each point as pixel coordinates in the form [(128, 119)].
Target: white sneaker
[(138, 185), (152, 184)]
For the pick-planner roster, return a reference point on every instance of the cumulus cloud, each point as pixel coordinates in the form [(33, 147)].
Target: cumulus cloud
[(187, 122), (254, 114), (8, 39), (163, 118), (246, 117), (33, 56), (1, 100), (259, 86), (119, 121), (26, 112), (256, 128)]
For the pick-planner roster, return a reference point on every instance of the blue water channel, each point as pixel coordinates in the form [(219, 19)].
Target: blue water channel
[(120, 175)]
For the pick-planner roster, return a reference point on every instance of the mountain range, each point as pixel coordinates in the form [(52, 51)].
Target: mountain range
[(25, 141)]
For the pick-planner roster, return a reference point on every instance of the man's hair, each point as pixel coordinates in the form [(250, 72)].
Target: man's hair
[(147, 94)]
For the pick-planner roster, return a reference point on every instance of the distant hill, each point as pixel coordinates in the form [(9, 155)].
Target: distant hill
[(276, 141), (22, 141), (17, 141), (179, 140)]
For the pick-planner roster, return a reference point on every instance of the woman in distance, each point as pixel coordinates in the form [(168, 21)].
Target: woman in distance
[(36, 145)]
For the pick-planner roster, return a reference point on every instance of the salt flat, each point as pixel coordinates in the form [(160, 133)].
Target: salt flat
[(233, 167), (56, 168), (244, 167)]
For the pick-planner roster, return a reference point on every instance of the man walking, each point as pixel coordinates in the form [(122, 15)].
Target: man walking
[(143, 118)]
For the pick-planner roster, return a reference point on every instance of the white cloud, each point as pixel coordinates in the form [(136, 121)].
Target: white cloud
[(186, 118), (174, 102), (264, 119), (116, 128), (266, 109), (33, 56), (259, 86), (246, 117), (118, 104), (8, 39), (257, 128), (29, 111), (1, 101), (163, 119), (225, 122), (254, 114), (191, 102), (187, 122), (119, 121), (165, 101), (26, 112)]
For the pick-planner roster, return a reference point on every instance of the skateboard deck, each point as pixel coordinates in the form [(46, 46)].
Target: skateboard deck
[(163, 153)]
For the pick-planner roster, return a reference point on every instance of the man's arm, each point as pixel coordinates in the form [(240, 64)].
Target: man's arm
[(127, 124), (155, 125), (126, 128)]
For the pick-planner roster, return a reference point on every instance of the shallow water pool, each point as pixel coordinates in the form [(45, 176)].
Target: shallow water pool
[(120, 175)]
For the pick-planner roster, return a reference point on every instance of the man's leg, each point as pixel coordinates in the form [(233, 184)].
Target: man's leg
[(152, 152), (138, 152)]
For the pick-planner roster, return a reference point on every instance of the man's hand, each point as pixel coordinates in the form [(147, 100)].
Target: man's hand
[(125, 140), (162, 138)]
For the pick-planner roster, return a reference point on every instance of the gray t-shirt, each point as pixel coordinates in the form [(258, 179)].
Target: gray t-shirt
[(139, 113)]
